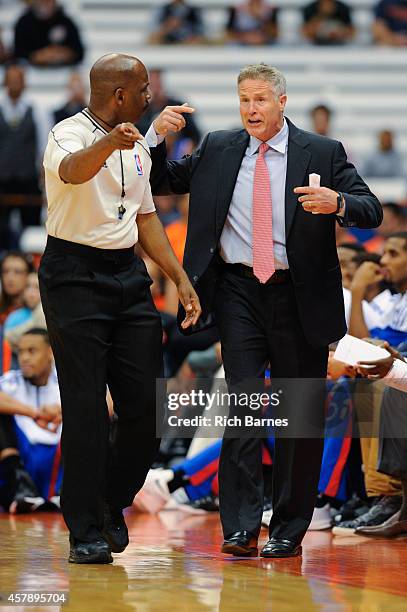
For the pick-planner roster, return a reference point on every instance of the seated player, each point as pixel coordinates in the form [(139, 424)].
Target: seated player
[(383, 487), (393, 448), (30, 417)]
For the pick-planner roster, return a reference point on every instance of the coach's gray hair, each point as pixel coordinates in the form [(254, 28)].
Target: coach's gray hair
[(264, 72)]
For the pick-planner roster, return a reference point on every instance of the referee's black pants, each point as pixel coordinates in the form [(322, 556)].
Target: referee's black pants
[(104, 330), (260, 325)]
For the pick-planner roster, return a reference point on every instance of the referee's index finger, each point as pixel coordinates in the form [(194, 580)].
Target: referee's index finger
[(182, 109)]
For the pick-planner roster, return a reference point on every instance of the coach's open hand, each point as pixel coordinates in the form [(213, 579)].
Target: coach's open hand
[(171, 119), (318, 200)]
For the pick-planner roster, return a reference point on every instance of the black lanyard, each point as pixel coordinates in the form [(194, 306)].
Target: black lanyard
[(122, 209)]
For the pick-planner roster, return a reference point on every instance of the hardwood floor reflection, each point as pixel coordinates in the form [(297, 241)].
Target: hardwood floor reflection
[(173, 563)]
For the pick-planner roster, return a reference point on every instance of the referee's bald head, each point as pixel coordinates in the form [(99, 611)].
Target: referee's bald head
[(114, 70), (120, 81)]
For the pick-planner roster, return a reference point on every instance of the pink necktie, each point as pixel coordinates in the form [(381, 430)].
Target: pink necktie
[(262, 228)]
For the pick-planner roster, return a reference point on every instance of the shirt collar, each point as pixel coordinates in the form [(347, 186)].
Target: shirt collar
[(278, 142)]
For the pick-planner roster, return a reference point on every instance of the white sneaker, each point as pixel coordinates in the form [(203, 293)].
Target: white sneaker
[(55, 499), (26, 505), (266, 518), (171, 504), (321, 519), (155, 493), (179, 500)]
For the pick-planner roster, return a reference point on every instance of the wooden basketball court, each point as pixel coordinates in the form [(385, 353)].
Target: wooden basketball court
[(173, 564)]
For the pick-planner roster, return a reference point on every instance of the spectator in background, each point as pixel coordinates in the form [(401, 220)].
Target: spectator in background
[(76, 98), (23, 129), (394, 219), (29, 448), (377, 293), (177, 235), (180, 143), (344, 236), (391, 327), (14, 270), (393, 448), (28, 316), (177, 230), (178, 24), (321, 119), (253, 22), (346, 253), (393, 268), (390, 26), (3, 52), (166, 207), (386, 161), (45, 36), (321, 123), (327, 22)]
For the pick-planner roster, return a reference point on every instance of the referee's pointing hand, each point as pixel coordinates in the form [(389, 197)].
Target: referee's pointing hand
[(123, 136)]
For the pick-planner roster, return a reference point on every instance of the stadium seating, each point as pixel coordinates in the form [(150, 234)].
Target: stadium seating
[(363, 84)]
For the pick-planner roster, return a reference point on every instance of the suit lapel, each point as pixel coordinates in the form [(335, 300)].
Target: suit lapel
[(298, 159), (229, 166)]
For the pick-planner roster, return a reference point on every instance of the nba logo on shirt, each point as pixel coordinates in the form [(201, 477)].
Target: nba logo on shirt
[(138, 165)]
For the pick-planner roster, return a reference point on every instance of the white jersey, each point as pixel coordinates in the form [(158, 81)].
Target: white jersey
[(16, 386), (373, 311), (89, 213), (395, 314)]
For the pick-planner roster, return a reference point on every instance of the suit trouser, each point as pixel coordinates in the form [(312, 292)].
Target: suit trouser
[(104, 330), (259, 324)]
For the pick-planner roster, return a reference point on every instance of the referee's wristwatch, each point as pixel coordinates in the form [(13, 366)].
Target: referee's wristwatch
[(340, 203)]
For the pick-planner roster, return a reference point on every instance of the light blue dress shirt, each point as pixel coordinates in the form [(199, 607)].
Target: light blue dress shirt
[(236, 238)]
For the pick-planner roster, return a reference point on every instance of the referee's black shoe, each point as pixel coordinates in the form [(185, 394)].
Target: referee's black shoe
[(97, 551), (240, 544), (115, 529)]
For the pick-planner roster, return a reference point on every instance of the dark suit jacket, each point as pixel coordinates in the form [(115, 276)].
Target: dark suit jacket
[(209, 175)]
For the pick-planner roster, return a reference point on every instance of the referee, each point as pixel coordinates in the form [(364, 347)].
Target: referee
[(102, 323)]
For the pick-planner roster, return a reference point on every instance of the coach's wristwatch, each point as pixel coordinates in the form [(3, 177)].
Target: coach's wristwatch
[(340, 203)]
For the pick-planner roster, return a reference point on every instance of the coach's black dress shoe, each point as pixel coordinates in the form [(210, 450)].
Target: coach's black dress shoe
[(278, 547), (115, 529), (240, 544), (97, 551)]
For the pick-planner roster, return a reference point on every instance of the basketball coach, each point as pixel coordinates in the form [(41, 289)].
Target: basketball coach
[(261, 254)]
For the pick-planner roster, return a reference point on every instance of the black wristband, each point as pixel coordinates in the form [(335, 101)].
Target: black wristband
[(340, 201)]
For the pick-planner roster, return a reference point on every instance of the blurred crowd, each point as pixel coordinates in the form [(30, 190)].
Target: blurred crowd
[(45, 35), (360, 486), (256, 22), (24, 128)]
